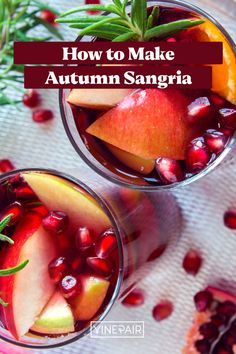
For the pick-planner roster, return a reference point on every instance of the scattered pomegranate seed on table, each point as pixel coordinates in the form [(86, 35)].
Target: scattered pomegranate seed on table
[(105, 244), (215, 140), (134, 298), (169, 171), (100, 266), (49, 17), (31, 99), (55, 221), (83, 239), (58, 268), (42, 115), (16, 209), (6, 166), (163, 310), (197, 156), (230, 219), (70, 286), (192, 262), (92, 2), (203, 300)]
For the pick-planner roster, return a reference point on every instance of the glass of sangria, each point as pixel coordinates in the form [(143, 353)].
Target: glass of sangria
[(68, 254), (153, 139)]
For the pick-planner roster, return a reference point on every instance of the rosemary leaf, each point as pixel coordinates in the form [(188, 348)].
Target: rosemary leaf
[(139, 14), (125, 37), (6, 238), (94, 26), (171, 28), (3, 303), (106, 8), (13, 270), (49, 27), (5, 221), (153, 16)]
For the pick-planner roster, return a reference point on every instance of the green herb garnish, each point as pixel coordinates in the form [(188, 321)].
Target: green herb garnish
[(17, 19), (121, 26), (5, 272)]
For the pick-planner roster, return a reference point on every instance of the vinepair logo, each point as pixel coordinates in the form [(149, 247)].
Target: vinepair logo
[(117, 329)]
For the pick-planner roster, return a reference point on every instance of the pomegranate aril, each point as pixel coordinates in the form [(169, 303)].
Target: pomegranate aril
[(162, 310), (202, 346), (31, 99), (230, 340), (6, 166), (134, 298), (230, 219), (106, 244), (156, 253), (55, 221), (228, 118), (227, 309), (217, 100), (58, 268), (42, 115), (197, 156), (77, 264), (100, 266), (215, 140), (25, 193), (198, 109), (203, 300), (89, 2), (16, 210), (218, 320), (192, 262), (49, 17), (84, 239), (169, 171), (70, 286), (209, 331)]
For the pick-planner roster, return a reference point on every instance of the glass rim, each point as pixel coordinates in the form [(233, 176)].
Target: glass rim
[(111, 215), (110, 175)]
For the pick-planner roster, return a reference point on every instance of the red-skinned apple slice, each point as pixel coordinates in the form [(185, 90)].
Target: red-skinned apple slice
[(148, 123), (139, 164), (101, 99), (88, 302), (28, 291)]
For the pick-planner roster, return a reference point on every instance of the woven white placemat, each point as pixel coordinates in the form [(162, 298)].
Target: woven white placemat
[(203, 203)]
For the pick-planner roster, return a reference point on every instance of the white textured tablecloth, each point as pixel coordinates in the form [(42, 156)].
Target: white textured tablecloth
[(203, 203)]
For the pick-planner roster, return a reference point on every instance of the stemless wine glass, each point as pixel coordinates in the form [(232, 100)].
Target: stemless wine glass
[(144, 225), (104, 162)]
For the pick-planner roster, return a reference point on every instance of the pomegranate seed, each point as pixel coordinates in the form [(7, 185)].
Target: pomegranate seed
[(89, 2), (224, 351), (198, 109), (169, 171), (100, 266), (218, 320), (134, 298), (227, 309), (209, 331), (42, 115), (77, 264), (83, 238), (16, 180), (6, 166), (203, 300), (215, 140), (31, 99), (228, 118), (202, 346), (192, 262), (70, 286), (55, 221), (171, 40), (226, 131), (24, 192), (58, 268), (156, 253), (230, 340), (217, 100), (16, 210), (230, 219), (162, 310), (197, 156), (106, 244), (49, 17)]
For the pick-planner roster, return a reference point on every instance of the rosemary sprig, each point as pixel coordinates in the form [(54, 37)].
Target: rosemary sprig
[(13, 270), (119, 26), (17, 19)]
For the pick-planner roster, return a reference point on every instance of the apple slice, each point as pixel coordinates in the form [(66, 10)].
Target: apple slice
[(57, 194), (28, 291), (56, 317), (86, 305), (139, 164), (148, 123), (101, 99)]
